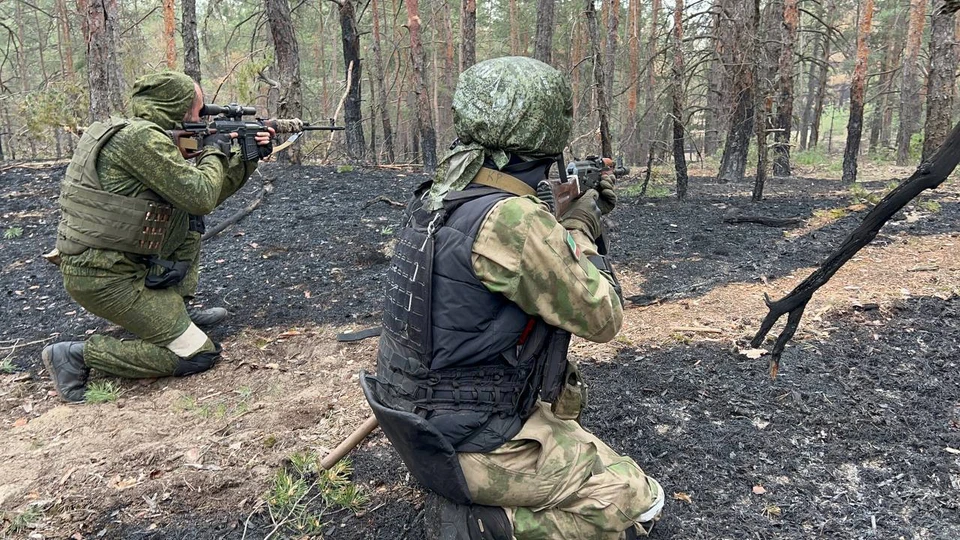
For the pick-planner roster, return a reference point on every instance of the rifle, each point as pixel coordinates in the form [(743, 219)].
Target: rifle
[(578, 176), (229, 119)]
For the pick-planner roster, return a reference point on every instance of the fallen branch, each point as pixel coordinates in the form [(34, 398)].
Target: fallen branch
[(764, 220), (383, 198), (700, 329), (239, 214), (928, 175)]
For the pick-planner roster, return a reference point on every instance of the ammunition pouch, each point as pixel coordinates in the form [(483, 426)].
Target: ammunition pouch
[(429, 457)]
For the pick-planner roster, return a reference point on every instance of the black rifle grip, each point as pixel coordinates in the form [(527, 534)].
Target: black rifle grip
[(249, 149)]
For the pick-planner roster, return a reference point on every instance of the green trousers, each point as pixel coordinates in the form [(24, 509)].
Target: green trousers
[(111, 285)]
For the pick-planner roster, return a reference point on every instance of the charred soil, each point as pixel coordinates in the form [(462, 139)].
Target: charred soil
[(859, 437)]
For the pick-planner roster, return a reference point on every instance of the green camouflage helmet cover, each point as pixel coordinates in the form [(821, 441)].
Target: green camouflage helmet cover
[(162, 98), (511, 105)]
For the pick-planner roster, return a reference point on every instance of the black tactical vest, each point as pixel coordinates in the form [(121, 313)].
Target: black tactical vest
[(468, 360)]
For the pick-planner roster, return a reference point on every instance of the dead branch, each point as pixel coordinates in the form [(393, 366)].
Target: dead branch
[(764, 220), (928, 175), (239, 214), (383, 198)]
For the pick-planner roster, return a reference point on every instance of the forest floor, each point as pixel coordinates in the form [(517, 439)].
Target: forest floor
[(859, 437)]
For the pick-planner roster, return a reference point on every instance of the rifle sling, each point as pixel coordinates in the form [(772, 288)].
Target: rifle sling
[(504, 182)]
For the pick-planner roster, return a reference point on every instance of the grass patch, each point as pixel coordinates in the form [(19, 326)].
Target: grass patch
[(832, 214), (302, 492), (102, 392), (23, 521), (12, 232), (7, 367), (930, 206)]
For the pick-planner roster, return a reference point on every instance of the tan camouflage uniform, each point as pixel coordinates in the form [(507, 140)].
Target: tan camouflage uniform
[(109, 283), (555, 479)]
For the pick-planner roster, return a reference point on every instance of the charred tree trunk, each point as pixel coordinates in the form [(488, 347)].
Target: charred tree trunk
[(791, 18), (191, 45), (352, 108), (929, 175), (543, 44), (910, 87), (606, 149), (741, 35), (762, 124), (425, 129), (382, 106), (169, 34), (100, 20), (940, 81), (679, 158), (468, 33), (711, 116), (290, 103), (851, 151)]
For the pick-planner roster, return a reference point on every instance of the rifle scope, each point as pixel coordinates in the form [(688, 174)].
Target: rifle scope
[(232, 110)]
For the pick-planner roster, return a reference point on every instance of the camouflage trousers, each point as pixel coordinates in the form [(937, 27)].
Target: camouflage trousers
[(556, 480), (157, 317)]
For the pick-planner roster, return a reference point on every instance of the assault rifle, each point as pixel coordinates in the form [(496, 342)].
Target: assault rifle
[(229, 119), (579, 176)]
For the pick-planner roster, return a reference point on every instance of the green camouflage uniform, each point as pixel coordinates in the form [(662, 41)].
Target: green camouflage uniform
[(110, 284), (554, 479)]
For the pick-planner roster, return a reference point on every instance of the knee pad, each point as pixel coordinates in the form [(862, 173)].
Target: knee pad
[(198, 363)]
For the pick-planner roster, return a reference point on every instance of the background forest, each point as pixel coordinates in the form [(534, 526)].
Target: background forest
[(653, 82)]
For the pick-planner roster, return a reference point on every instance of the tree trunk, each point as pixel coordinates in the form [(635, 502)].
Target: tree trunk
[(100, 34), (855, 125), (352, 112), (821, 93), (191, 45), (880, 113), (428, 136), (514, 28), (290, 104), (610, 61), (606, 149), (543, 45), (67, 41), (711, 115), (629, 138), (740, 36), (940, 82), (679, 158), (169, 34), (468, 33), (806, 116), (647, 119), (910, 87), (781, 160), (381, 86)]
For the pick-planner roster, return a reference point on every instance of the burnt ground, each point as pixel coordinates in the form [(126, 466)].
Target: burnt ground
[(857, 438)]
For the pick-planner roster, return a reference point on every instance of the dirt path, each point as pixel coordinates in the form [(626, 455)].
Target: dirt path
[(858, 437)]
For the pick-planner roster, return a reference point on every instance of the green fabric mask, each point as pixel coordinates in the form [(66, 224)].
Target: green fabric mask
[(162, 98), (511, 105)]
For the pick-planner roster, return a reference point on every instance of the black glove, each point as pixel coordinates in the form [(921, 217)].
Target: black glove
[(608, 197), (220, 141), (173, 273), (265, 149), (584, 215)]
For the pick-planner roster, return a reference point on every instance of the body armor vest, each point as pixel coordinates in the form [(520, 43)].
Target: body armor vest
[(468, 360), (93, 218)]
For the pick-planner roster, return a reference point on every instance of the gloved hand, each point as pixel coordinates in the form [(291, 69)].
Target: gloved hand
[(220, 141), (584, 215), (608, 197)]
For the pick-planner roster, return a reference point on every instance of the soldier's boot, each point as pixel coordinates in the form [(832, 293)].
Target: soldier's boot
[(447, 520), (208, 316), (64, 363)]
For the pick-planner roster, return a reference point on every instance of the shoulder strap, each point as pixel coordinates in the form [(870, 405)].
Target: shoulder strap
[(503, 182)]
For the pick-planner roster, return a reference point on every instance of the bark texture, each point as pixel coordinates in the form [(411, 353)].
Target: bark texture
[(169, 34), (191, 44), (352, 112), (910, 87), (857, 87), (382, 106), (679, 157), (468, 33), (739, 33), (940, 82), (100, 21), (791, 20), (425, 128), (543, 44), (606, 149), (290, 101)]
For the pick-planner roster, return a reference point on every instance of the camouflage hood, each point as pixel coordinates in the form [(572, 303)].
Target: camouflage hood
[(162, 98), (511, 105)]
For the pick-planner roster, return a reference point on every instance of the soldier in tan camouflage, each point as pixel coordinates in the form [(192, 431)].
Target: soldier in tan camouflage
[(128, 238), (473, 387)]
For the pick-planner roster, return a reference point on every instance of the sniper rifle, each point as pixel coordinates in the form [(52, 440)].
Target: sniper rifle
[(228, 119)]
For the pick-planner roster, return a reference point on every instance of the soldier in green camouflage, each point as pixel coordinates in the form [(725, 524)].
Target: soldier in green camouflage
[(473, 387), (129, 236)]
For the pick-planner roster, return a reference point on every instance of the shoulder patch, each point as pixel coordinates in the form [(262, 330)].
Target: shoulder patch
[(574, 248)]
